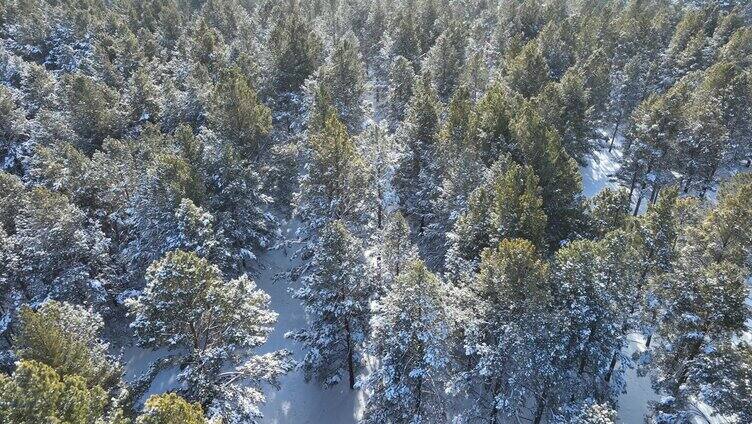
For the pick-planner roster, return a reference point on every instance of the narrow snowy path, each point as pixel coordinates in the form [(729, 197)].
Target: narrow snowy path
[(298, 402)]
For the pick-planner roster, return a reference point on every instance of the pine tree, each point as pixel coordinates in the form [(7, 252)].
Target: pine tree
[(723, 379), (404, 35), (446, 59), (335, 184), (170, 409), (381, 153), (67, 338), (238, 114), (91, 111), (596, 283), (608, 210), (336, 295), (344, 77), (566, 107), (417, 178), (508, 205), (701, 303), (528, 72), (410, 328), (395, 250), (491, 122), (540, 147), (142, 98), (214, 325), (35, 393), (401, 82), (12, 127), (510, 296), (294, 50), (62, 255)]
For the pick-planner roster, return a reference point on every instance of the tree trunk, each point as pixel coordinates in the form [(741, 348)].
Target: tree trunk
[(613, 136), (540, 410), (611, 367), (637, 206), (350, 358)]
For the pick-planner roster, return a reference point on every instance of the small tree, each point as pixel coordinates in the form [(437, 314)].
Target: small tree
[(171, 409), (335, 295), (411, 328)]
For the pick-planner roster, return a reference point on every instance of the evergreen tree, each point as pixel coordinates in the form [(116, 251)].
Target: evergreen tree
[(92, 110), (539, 146), (62, 255), (35, 393), (490, 124), (510, 297), (723, 379), (508, 205), (343, 75), (446, 59), (401, 82), (294, 50), (416, 180), (608, 210), (336, 295), (528, 72), (335, 184), (395, 250), (238, 114), (67, 339), (170, 409), (213, 325), (410, 330), (566, 107)]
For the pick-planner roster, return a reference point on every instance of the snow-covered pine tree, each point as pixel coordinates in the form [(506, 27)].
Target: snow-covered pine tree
[(507, 205), (212, 326), (394, 251), (237, 113), (417, 177), (335, 293), (344, 77), (510, 299), (401, 83), (62, 255), (410, 330), (336, 182)]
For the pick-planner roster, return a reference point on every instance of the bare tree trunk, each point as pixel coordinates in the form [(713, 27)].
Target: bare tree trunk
[(540, 410), (613, 136), (350, 358)]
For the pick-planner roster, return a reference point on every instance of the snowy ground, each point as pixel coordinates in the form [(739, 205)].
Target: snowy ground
[(298, 402)]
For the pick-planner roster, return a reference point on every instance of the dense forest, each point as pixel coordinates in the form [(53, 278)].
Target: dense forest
[(428, 157)]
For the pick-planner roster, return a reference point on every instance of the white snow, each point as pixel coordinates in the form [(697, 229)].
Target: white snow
[(597, 174), (297, 401)]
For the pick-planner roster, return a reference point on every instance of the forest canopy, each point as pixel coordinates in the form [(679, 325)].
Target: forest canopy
[(415, 168)]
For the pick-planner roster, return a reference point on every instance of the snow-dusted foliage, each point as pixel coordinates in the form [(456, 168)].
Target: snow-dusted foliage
[(213, 326), (411, 327), (473, 211), (336, 292)]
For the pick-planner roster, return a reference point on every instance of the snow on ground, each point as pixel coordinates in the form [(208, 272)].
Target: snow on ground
[(596, 175), (298, 402), (633, 404)]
